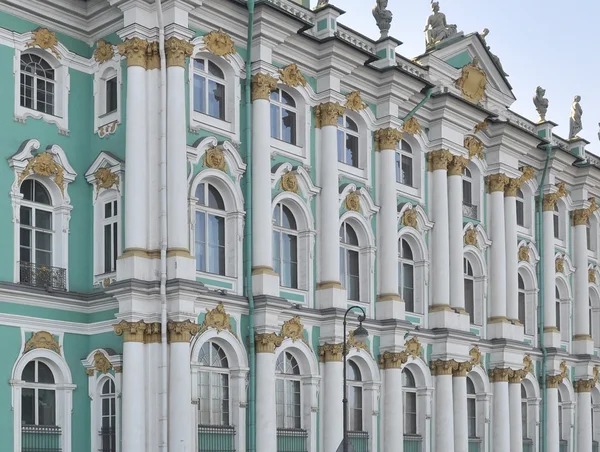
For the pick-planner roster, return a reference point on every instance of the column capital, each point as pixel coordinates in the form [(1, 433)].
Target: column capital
[(496, 182), (267, 342), (262, 86), (552, 381), (462, 369), (152, 56), (392, 360), (551, 198), (441, 367), (327, 114), (585, 385), (499, 374), (516, 376), (457, 165), (177, 51), (331, 352), (439, 160), (181, 331), (515, 183), (582, 216), (387, 139), (135, 50), (152, 335), (131, 331)]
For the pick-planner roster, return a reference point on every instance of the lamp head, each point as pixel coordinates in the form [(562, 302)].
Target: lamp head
[(360, 334)]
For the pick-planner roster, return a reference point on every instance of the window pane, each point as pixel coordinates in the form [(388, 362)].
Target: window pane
[(289, 256), (47, 407), (472, 418), (107, 248), (522, 307), (43, 219), (469, 299), (111, 95), (467, 193), (40, 194), (28, 406), (216, 244), (216, 99), (352, 150), (410, 413), (44, 374), (275, 121), (288, 121), (199, 92), (558, 315), (407, 176), (398, 168), (277, 253), (520, 213), (200, 241), (27, 189), (408, 287), (353, 276), (341, 147), (556, 227)]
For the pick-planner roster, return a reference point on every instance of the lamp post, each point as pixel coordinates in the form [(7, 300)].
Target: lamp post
[(360, 335)]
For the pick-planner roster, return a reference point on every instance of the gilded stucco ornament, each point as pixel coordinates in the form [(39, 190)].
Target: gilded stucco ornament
[(475, 354), (559, 265), (134, 49), (353, 343), (331, 352), (515, 184), (472, 82), (471, 237), (42, 339), (457, 165), (217, 319), (327, 114), (483, 125), (152, 56), (474, 146), (441, 367), (101, 363), (291, 76), (289, 182), (354, 102), (106, 179), (104, 51), (500, 374), (439, 160), (392, 360), (177, 51), (44, 39), (262, 86), (131, 331), (582, 216), (215, 158), (524, 254), (44, 164), (413, 347), (219, 43), (409, 218), (412, 126), (528, 364), (152, 335), (118, 369), (551, 198), (267, 342), (181, 331), (90, 372), (293, 329), (108, 129), (462, 369), (564, 370), (496, 182), (584, 385), (596, 372), (592, 275), (387, 139), (553, 381), (352, 201)]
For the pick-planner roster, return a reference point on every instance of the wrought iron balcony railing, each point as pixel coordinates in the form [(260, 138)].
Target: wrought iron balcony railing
[(43, 276), (292, 440), (40, 438), (474, 444), (527, 445), (413, 443), (216, 438), (359, 441), (470, 211), (108, 440)]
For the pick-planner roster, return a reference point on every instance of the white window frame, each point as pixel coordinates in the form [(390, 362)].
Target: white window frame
[(301, 150), (347, 248), (280, 231), (363, 171), (210, 370), (468, 180), (285, 377), (520, 199), (402, 261), (474, 398), (400, 154), (104, 120), (351, 385), (33, 228), (412, 390), (214, 212), (466, 277)]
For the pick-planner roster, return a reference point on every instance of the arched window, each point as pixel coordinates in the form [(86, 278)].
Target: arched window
[(287, 392), (355, 398), (108, 417), (209, 88), (469, 207), (38, 84), (591, 318), (349, 262), (210, 230), (409, 391), (406, 275), (471, 409), (404, 164), (285, 246), (524, 414), (213, 407), (588, 234), (347, 141), (560, 417), (110, 234), (283, 116), (557, 295), (520, 203), (469, 289), (556, 220), (521, 301)]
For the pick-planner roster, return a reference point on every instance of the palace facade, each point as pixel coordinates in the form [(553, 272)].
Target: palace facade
[(191, 204)]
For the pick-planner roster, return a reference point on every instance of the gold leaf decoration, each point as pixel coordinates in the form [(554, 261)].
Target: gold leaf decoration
[(90, 372), (475, 356), (471, 237), (559, 265), (474, 146), (293, 329), (105, 179), (291, 76), (104, 51), (289, 182), (483, 125), (42, 339), (215, 158), (528, 364), (352, 201), (44, 39), (564, 370), (43, 164), (101, 362), (412, 126), (219, 43), (413, 347), (354, 102), (524, 254), (409, 218), (592, 275), (353, 343), (217, 319), (472, 82)]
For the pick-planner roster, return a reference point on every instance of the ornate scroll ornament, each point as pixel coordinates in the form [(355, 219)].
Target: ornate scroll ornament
[(524, 254), (267, 342), (564, 370), (353, 343), (472, 82), (262, 86), (596, 372), (291, 76), (471, 237), (387, 139), (500, 374), (516, 376), (106, 179), (559, 264), (44, 164), (483, 125), (585, 385), (514, 184), (289, 182), (152, 335), (474, 146), (152, 56), (44, 39), (412, 126), (219, 43), (496, 182), (215, 158), (216, 318), (135, 51), (42, 339), (354, 102), (553, 381), (409, 218), (101, 363), (440, 367), (181, 331), (582, 216), (331, 352), (592, 275), (118, 369), (391, 360), (107, 129), (475, 354), (90, 372), (131, 331), (413, 347), (462, 369), (457, 165), (293, 329), (104, 51), (551, 198), (352, 201), (327, 114), (528, 364), (177, 51), (439, 160)]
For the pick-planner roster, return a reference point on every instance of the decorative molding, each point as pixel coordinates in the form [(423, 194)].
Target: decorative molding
[(262, 86), (457, 165), (496, 182), (42, 339), (389, 360), (43, 164), (289, 182), (483, 125), (470, 237), (354, 102), (291, 76), (412, 126), (353, 343), (559, 264), (584, 385), (134, 49), (214, 157), (327, 114), (551, 198), (217, 319), (592, 275), (44, 39), (104, 51), (462, 369), (177, 50), (387, 139), (267, 342), (581, 217), (104, 173), (106, 179), (331, 352), (514, 184), (564, 370), (553, 381), (181, 331), (523, 254), (153, 333), (413, 347), (101, 363), (472, 82), (475, 147), (440, 367), (293, 329), (409, 218), (475, 354), (528, 364), (219, 43), (438, 160), (352, 201), (500, 374), (131, 331)]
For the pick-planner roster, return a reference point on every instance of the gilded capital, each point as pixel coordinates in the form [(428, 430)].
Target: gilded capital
[(512, 186), (457, 165), (552, 381), (496, 182), (135, 50), (462, 369), (582, 216), (131, 331), (387, 139), (516, 376), (177, 51), (585, 385), (267, 342), (152, 56), (500, 374), (391, 360), (331, 352), (181, 331), (262, 86), (441, 367), (474, 146), (152, 334), (327, 114), (551, 198), (439, 160)]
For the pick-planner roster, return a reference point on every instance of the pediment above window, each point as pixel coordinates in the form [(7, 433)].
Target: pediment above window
[(212, 154), (293, 178), (106, 173), (357, 199)]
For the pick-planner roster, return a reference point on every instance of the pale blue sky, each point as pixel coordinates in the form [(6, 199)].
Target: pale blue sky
[(551, 43)]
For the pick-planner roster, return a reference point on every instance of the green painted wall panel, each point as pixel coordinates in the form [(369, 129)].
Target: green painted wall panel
[(10, 337), (75, 348), (56, 314)]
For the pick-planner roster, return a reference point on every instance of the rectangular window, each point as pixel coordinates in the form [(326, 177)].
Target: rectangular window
[(588, 237), (410, 413), (216, 99), (110, 237), (524, 419), (355, 414), (216, 245), (556, 226), (353, 286), (111, 95), (288, 126), (467, 193), (288, 404), (199, 94), (407, 173), (558, 315), (520, 213), (470, 299), (472, 418), (522, 308), (407, 290), (275, 121)]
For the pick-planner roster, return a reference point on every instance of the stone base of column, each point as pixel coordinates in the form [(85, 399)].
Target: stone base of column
[(551, 337), (445, 316), (390, 306), (137, 263), (499, 327), (265, 281), (518, 330), (331, 295), (582, 345), (181, 265)]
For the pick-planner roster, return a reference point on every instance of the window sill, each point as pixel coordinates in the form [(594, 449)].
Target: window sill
[(201, 121), (293, 295), (352, 171), (104, 280), (216, 282), (407, 189), (288, 149), (22, 113)]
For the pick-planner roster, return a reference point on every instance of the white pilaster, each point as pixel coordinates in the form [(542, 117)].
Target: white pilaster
[(552, 432), (583, 422), (333, 388), (266, 420), (180, 392), (153, 379), (393, 410), (551, 333), (459, 398), (582, 341), (501, 413), (153, 182), (512, 259), (516, 425), (444, 406)]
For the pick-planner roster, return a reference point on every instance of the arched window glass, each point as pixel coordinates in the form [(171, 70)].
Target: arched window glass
[(588, 234), (404, 164), (38, 397), (287, 392), (471, 409), (557, 294), (210, 230), (524, 413), (521, 300), (560, 417), (520, 203), (406, 275), (108, 417), (283, 116), (209, 88), (349, 262), (347, 141), (591, 318), (409, 391), (355, 398), (285, 246), (556, 220), (214, 403), (467, 187), (469, 289), (38, 84)]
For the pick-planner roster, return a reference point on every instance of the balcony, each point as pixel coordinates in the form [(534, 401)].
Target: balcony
[(43, 276), (216, 438), (359, 441), (40, 438), (474, 444), (292, 440), (527, 445), (413, 443), (469, 211), (108, 440)]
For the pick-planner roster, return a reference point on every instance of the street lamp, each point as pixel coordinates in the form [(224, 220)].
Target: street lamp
[(360, 335)]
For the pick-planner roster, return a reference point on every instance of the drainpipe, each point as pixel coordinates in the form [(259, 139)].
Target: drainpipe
[(540, 234), (163, 232), (251, 440), (428, 94)]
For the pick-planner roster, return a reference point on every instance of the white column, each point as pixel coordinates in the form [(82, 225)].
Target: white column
[(512, 259), (153, 160), (134, 388), (389, 301), (266, 418), (153, 380), (455, 221), (584, 419), (516, 416), (552, 432), (333, 389), (550, 332), (180, 385), (459, 398), (444, 405), (393, 410), (501, 413), (582, 343)]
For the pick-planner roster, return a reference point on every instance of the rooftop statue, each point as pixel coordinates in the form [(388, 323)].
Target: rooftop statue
[(322, 3), (575, 125), (436, 28), (383, 17), (496, 60), (540, 102)]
